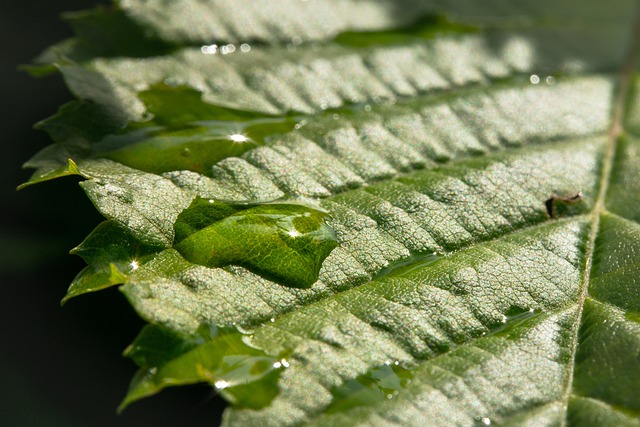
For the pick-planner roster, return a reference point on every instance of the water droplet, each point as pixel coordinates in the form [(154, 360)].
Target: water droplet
[(227, 49), (272, 319), (285, 363), (294, 233), (323, 106), (550, 80), (134, 265), (238, 137), (296, 40), (245, 47), (409, 265), (486, 421), (211, 49), (367, 107), (336, 116), (277, 365), (534, 79), (222, 234), (221, 384)]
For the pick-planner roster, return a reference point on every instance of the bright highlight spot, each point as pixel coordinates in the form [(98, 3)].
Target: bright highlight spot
[(534, 79), (294, 233), (245, 47), (220, 384), (209, 49), (238, 137), (486, 421), (134, 265), (281, 364)]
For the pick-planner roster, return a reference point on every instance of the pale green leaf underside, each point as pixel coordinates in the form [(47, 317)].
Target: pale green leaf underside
[(451, 285)]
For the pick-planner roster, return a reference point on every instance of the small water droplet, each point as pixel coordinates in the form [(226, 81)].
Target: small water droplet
[(227, 49), (534, 79), (238, 137), (134, 265), (221, 384), (244, 47), (550, 80), (211, 49), (296, 40), (486, 421), (272, 320), (323, 106), (336, 116), (367, 107)]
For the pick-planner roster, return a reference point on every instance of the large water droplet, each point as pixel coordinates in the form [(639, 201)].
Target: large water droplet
[(378, 384), (283, 242)]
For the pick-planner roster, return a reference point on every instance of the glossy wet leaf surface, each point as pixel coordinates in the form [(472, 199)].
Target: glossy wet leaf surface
[(343, 213)]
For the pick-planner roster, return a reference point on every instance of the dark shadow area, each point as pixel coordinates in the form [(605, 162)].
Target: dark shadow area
[(60, 366)]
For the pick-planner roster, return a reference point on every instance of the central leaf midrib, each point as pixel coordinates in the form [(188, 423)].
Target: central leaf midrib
[(623, 92)]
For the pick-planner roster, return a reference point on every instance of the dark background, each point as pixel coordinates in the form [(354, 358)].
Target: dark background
[(60, 366)]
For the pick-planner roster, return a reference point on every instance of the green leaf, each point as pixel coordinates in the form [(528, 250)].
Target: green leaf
[(374, 212)]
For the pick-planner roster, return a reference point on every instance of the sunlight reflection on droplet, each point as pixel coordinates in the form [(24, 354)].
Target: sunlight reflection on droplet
[(486, 421), (134, 265), (281, 364), (221, 384), (294, 233), (227, 49), (209, 49), (238, 137)]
